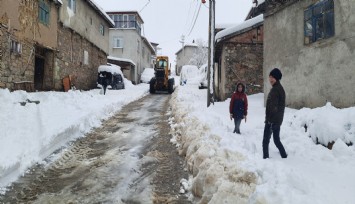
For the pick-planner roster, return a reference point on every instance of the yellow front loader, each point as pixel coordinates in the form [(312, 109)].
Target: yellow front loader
[(161, 80)]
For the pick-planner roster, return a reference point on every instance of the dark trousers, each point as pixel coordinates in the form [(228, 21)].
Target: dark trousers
[(105, 87), (275, 130), (237, 122)]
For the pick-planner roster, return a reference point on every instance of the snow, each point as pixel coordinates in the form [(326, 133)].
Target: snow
[(31, 132), (260, 1), (147, 75), (228, 168), (60, 1), (112, 68), (102, 11), (246, 24), (121, 59), (189, 75), (224, 167)]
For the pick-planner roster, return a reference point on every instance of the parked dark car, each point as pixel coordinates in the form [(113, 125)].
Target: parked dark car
[(110, 75)]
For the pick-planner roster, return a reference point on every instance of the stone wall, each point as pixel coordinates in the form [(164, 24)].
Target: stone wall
[(243, 63), (70, 60), (240, 59), (15, 67)]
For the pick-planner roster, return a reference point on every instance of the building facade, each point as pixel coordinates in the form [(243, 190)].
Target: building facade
[(128, 45), (239, 58), (83, 43), (44, 41), (313, 43), (28, 43), (188, 55)]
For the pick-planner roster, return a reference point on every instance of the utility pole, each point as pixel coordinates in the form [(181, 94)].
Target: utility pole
[(211, 39)]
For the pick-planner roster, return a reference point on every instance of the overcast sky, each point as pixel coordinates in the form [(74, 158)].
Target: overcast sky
[(165, 21)]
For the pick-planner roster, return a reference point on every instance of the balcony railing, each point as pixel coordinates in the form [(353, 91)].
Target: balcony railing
[(128, 24)]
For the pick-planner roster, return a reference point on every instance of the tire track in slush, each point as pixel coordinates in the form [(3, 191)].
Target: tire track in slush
[(129, 159)]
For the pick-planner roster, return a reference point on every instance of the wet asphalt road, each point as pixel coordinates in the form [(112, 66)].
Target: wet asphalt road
[(129, 159)]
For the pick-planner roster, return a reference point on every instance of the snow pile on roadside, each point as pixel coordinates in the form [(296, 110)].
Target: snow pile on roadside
[(228, 168), (216, 175), (190, 74), (33, 125)]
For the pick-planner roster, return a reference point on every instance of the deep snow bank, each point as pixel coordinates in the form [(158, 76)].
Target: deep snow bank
[(217, 177), (221, 161)]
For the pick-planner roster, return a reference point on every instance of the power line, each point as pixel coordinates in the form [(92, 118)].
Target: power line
[(145, 6), (188, 14), (193, 17), (193, 26)]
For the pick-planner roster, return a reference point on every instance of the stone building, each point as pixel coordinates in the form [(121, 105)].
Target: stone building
[(28, 43), (83, 43), (44, 41), (128, 45), (239, 57), (312, 42)]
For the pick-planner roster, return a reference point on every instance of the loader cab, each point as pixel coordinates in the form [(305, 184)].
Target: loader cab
[(161, 63)]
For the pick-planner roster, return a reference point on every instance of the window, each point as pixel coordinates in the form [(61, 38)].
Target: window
[(72, 5), (117, 42), (102, 29), (15, 47), (43, 14), (319, 21), (132, 21), (125, 21), (86, 57)]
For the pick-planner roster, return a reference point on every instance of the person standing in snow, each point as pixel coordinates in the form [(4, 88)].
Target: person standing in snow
[(275, 108), (104, 81), (238, 107)]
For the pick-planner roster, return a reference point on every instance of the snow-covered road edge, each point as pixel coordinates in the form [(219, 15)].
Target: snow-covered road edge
[(85, 111), (215, 178)]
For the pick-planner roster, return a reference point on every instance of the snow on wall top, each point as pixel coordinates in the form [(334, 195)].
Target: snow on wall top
[(121, 59), (246, 24), (101, 11)]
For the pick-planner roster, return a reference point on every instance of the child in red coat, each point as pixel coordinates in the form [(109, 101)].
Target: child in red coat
[(238, 107)]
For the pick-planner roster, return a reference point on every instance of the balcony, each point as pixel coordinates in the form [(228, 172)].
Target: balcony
[(128, 25)]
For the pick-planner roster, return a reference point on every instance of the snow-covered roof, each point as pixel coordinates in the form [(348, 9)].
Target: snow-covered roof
[(121, 59), (223, 25), (187, 45), (260, 1), (114, 69), (239, 28), (148, 43), (101, 12)]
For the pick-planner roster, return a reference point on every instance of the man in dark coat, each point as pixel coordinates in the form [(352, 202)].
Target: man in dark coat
[(275, 107)]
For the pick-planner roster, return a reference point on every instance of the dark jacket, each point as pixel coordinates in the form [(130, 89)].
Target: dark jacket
[(239, 104), (275, 104)]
